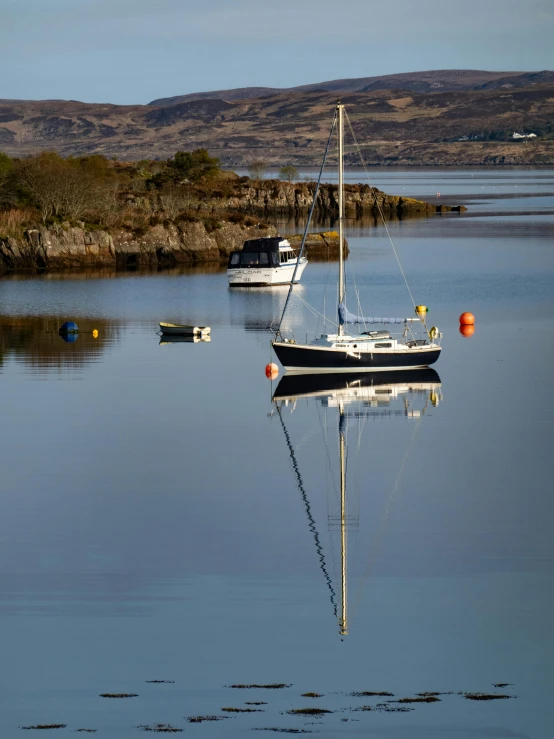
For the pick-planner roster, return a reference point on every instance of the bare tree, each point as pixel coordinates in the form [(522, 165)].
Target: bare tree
[(257, 169), (288, 173), (68, 188), (172, 201)]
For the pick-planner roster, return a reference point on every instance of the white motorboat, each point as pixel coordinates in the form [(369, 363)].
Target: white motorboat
[(263, 262)]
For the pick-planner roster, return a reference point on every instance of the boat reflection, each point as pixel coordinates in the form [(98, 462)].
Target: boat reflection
[(168, 339), (357, 399)]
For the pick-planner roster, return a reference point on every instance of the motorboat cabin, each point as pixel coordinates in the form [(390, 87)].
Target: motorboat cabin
[(269, 260)]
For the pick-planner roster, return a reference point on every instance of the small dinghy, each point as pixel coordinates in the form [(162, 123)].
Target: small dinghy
[(177, 329)]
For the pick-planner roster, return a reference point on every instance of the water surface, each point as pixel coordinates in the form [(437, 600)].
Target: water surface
[(155, 526)]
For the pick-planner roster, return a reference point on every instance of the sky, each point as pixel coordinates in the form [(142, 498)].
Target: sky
[(133, 51)]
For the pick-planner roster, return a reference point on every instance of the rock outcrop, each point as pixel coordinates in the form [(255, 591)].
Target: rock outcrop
[(319, 246), (274, 196), (69, 247), (65, 247)]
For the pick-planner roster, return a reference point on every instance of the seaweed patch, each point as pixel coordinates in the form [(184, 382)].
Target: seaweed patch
[(308, 711), (118, 695), (200, 719), (243, 710), (312, 695), (269, 686), (45, 726), (486, 696), (368, 693), (387, 708), (161, 728), (418, 699), (284, 731)]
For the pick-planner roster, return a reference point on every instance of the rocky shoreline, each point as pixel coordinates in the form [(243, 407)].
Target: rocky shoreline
[(268, 197), (208, 234), (65, 247)]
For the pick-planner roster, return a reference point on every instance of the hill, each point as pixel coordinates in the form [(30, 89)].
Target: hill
[(447, 80), (395, 125)]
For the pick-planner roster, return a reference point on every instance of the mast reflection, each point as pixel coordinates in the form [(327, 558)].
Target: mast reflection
[(357, 398)]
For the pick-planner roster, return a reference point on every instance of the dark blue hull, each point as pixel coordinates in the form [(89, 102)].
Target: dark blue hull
[(297, 385), (303, 357)]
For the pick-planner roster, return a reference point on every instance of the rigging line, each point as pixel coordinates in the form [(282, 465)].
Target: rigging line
[(305, 439), (380, 211), (278, 332), (315, 311), (311, 521), (329, 472), (324, 300), (384, 520), (329, 464)]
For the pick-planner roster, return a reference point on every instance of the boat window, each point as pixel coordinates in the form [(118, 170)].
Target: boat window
[(235, 260), (264, 259), (383, 346), (284, 257), (248, 258)]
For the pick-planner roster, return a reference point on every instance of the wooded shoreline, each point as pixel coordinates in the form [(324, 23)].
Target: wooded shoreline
[(87, 212)]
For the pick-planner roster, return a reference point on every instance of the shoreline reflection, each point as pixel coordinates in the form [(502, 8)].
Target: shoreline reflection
[(35, 341)]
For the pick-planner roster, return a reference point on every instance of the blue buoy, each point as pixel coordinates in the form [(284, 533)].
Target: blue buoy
[(69, 338), (69, 327)]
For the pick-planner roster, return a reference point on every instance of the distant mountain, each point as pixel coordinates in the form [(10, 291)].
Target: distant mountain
[(451, 117), (240, 93), (446, 80), (527, 79)]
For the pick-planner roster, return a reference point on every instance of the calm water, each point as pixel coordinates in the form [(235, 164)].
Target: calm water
[(162, 519)]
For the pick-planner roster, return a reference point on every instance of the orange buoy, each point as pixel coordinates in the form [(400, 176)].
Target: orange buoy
[(271, 371), (467, 318), (467, 329)]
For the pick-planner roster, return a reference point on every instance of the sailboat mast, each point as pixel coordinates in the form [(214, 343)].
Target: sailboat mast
[(340, 110), (342, 444)]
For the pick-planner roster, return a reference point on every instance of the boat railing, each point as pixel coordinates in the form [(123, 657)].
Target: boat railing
[(409, 337)]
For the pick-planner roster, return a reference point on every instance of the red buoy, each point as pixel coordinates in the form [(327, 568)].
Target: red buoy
[(271, 371), (467, 318), (467, 329)]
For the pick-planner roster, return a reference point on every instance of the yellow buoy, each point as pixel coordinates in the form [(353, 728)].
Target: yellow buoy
[(95, 333), (421, 310)]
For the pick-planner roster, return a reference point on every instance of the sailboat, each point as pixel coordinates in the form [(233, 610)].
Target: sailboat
[(365, 350), (357, 398)]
